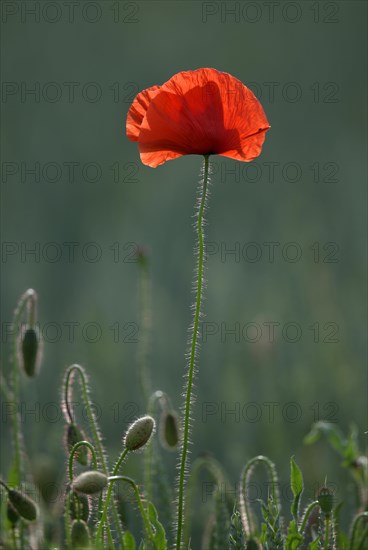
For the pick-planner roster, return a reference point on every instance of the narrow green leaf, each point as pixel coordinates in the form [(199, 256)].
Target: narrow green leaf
[(297, 486), (152, 513), (160, 536), (296, 478)]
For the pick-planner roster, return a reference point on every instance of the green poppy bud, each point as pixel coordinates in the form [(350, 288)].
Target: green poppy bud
[(90, 482), (169, 430), (80, 534), (30, 351), (22, 504), (326, 500), (73, 436), (139, 433)]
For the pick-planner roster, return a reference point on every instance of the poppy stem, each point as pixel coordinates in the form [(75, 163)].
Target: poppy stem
[(192, 353)]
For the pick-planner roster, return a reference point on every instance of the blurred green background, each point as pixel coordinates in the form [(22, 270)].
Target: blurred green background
[(306, 61)]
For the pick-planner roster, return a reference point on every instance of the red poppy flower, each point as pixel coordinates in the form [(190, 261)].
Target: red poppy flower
[(202, 112)]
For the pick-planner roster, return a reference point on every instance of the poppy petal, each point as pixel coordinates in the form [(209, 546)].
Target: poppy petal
[(137, 112)]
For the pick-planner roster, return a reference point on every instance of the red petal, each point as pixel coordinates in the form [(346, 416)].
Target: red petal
[(137, 112), (199, 112)]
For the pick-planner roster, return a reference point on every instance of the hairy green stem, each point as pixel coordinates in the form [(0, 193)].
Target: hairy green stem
[(327, 531), (215, 470), (95, 433), (74, 450), (90, 415), (157, 397), (145, 324), (28, 297), (193, 349), (68, 529), (108, 496), (4, 485), (145, 519), (306, 515)]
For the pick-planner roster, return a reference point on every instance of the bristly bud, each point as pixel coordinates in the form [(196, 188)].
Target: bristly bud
[(169, 431), (139, 433), (73, 436), (326, 500), (79, 506), (22, 504), (29, 345), (80, 535), (90, 482), (30, 351)]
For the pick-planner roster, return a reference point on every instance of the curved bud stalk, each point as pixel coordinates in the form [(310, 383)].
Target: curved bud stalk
[(136, 437), (306, 516), (76, 451), (100, 455), (244, 482), (144, 514), (73, 436), (214, 468)]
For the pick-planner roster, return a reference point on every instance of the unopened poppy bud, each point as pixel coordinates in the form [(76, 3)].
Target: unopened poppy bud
[(79, 506), (24, 505), (169, 430), (326, 500), (80, 535), (73, 436), (90, 483), (12, 514), (139, 433), (30, 351)]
